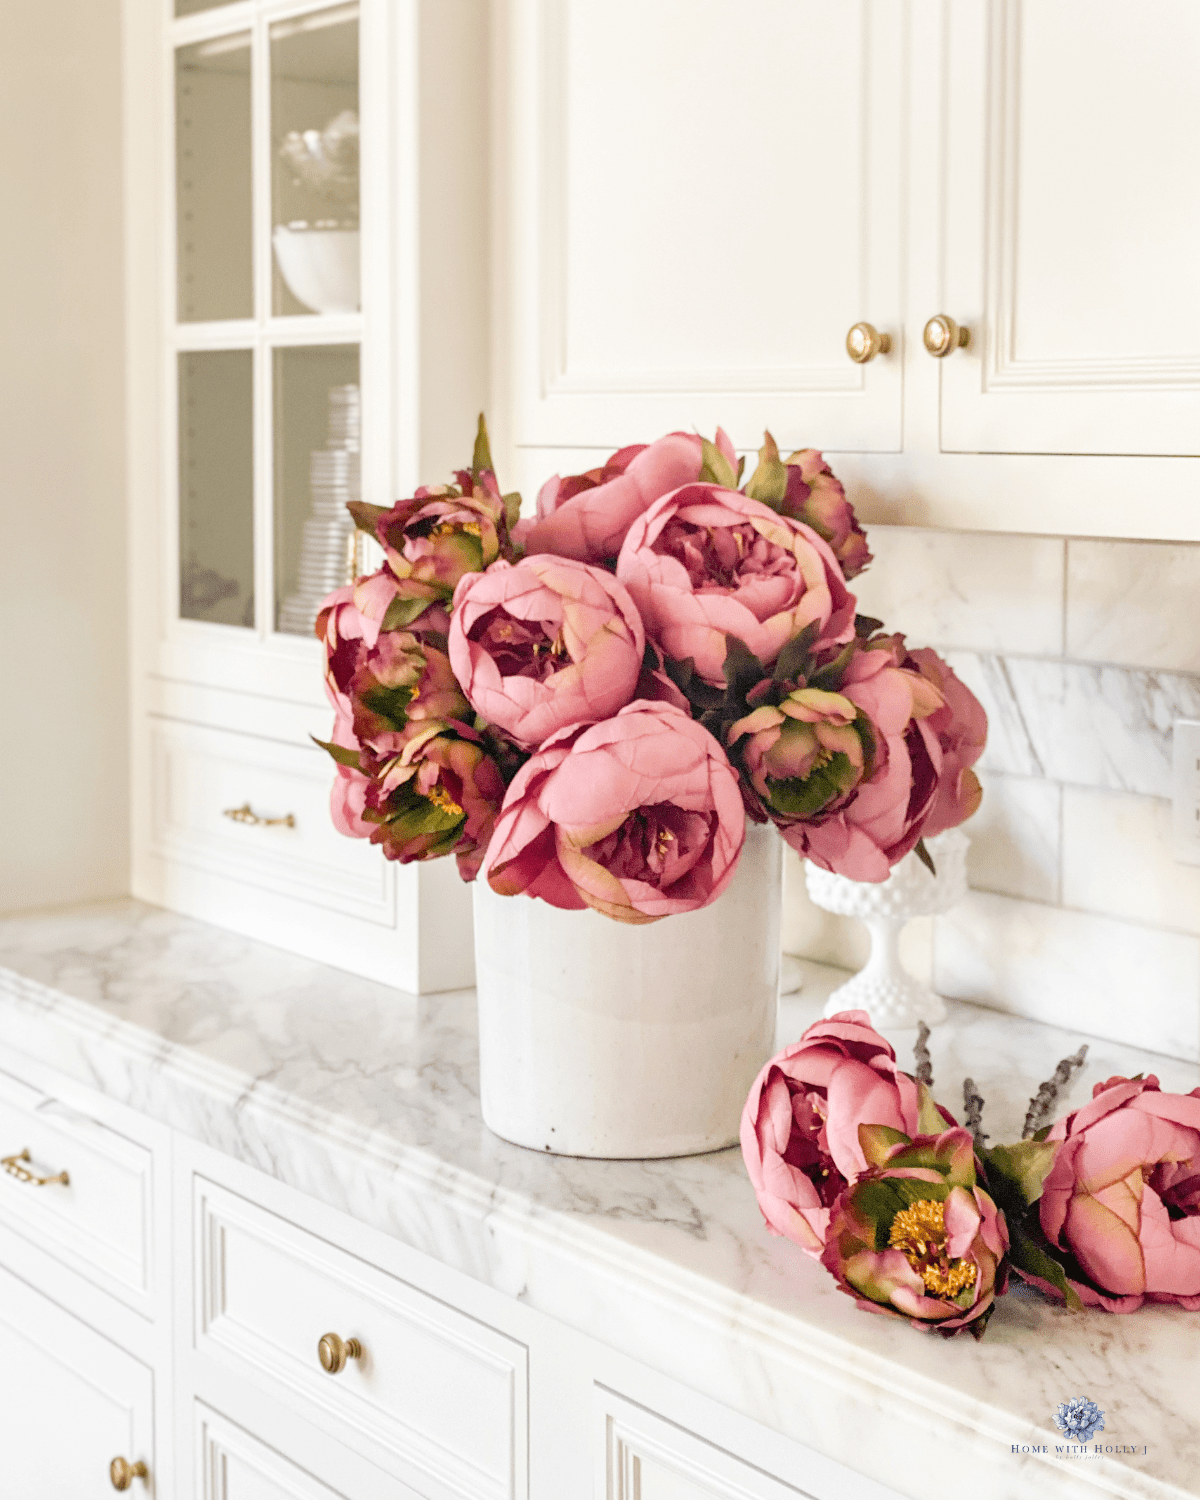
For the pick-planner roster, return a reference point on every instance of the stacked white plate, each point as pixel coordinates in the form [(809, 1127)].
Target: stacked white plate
[(335, 477)]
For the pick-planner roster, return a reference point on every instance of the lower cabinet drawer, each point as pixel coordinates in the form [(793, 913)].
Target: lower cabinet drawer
[(100, 1220), (74, 1408), (644, 1457), (233, 1464), (257, 810), (433, 1396)]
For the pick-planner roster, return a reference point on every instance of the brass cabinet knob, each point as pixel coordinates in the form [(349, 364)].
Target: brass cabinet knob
[(123, 1473), (864, 342), (334, 1352), (943, 336)]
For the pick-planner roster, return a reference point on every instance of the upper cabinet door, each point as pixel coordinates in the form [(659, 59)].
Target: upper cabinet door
[(1072, 227), (705, 199)]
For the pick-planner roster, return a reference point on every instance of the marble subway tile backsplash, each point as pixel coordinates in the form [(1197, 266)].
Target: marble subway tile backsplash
[(1084, 652)]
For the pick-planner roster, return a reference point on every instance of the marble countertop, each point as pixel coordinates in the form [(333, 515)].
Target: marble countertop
[(367, 1099)]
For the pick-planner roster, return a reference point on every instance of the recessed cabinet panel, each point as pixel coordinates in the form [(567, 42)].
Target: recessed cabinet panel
[(318, 447), (643, 1457), (216, 486), (704, 208), (213, 207), (1072, 228), (70, 1402), (437, 1398), (314, 142)]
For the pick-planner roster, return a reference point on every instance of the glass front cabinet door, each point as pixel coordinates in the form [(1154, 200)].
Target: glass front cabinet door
[(288, 186)]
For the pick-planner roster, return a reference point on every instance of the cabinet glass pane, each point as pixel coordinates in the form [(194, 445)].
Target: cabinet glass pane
[(314, 177), (212, 179), (216, 486), (317, 438)]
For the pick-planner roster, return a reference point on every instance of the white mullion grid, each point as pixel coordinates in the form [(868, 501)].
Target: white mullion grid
[(376, 73), (222, 20), (318, 328), (264, 451)]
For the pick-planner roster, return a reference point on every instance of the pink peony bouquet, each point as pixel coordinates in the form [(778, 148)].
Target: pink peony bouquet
[(585, 705), (916, 1217)]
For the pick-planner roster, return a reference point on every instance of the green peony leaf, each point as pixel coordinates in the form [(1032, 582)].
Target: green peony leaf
[(343, 756), (865, 626), (401, 612), (365, 516), (1021, 1168), (929, 1117), (742, 668), (481, 458), (1027, 1255), (792, 663), (716, 468), (925, 857), (390, 703), (877, 1140), (512, 508), (829, 678), (768, 483)]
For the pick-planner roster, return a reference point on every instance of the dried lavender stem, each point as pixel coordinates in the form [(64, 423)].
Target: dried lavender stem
[(1046, 1097), (973, 1107), (924, 1073)]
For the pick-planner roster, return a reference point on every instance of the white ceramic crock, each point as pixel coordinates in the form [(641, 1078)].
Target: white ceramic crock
[(601, 1039)]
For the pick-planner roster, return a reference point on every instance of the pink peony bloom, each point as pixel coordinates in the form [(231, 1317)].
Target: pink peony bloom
[(960, 727), (849, 777), (639, 817), (545, 643), (806, 488), (587, 515), (915, 1237), (800, 1125), (1123, 1196), (705, 562), (439, 795)]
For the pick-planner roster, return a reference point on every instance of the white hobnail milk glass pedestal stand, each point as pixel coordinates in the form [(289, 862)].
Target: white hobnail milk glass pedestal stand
[(601, 1039), (885, 988)]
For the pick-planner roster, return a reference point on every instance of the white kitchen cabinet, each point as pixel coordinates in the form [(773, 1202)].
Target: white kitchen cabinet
[(1072, 227), (71, 1403), (303, 330), (701, 201)]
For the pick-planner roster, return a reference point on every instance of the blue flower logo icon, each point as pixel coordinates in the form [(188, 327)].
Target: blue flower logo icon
[(1078, 1419)]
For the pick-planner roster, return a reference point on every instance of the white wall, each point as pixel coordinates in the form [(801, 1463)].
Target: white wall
[(63, 588)]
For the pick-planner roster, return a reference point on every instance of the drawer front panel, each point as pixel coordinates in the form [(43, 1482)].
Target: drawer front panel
[(202, 775), (234, 1465), (644, 1457), (441, 1397), (100, 1222)]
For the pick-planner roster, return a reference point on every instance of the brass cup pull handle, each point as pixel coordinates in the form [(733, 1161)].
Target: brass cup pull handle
[(123, 1473), (333, 1352), (15, 1167), (864, 342), (246, 814), (943, 336)]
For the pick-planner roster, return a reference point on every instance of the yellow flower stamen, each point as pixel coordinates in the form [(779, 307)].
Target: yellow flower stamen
[(442, 798), (448, 528), (919, 1231), (664, 841)]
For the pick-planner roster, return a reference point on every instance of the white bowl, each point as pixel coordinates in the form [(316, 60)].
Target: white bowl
[(320, 267)]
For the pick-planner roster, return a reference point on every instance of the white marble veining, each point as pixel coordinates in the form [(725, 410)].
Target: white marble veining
[(1133, 603), (1077, 723), (367, 1100), (975, 590)]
